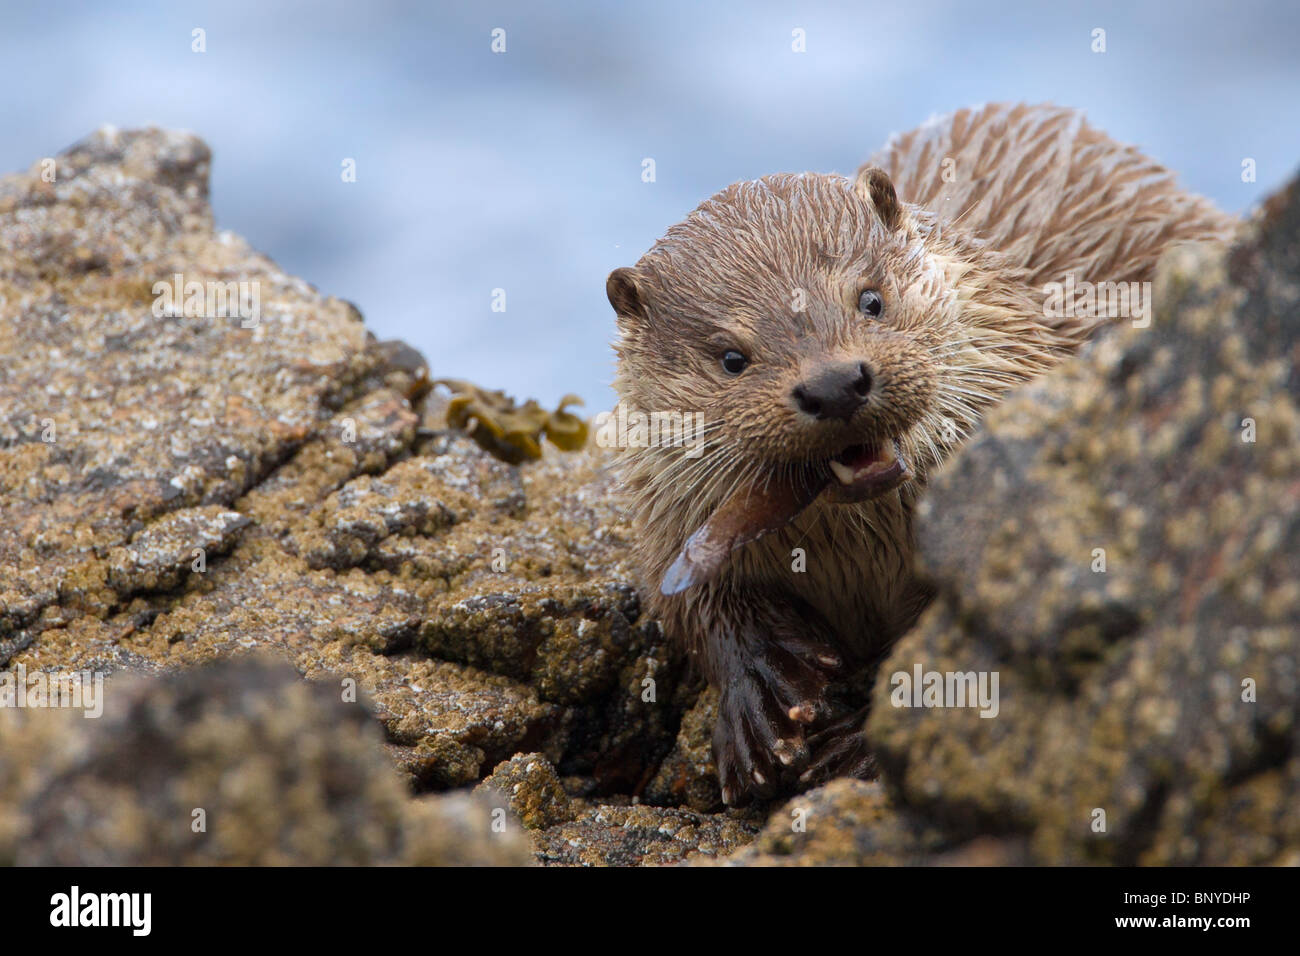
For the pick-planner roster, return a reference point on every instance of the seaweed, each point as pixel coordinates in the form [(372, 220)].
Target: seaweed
[(509, 431)]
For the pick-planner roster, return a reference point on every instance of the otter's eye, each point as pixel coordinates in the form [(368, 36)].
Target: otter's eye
[(870, 303), (733, 363)]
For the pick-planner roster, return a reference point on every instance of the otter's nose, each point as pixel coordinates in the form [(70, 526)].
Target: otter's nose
[(836, 390)]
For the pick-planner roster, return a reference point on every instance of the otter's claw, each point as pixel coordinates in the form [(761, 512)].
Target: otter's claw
[(763, 712), (840, 750)]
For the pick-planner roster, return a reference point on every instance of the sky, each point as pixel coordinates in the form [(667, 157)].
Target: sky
[(522, 170)]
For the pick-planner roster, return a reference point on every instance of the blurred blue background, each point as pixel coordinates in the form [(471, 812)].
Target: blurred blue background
[(523, 170)]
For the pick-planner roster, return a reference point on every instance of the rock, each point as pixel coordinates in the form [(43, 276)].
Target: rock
[(184, 485), (159, 555), (458, 829), (117, 416), (530, 787), (1164, 690), (845, 823), (610, 835), (688, 776), (240, 763)]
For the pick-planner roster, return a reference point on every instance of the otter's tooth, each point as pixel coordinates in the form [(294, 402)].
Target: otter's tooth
[(843, 472), (886, 455)]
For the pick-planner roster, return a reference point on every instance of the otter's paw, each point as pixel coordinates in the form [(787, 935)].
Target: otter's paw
[(840, 750), (763, 713)]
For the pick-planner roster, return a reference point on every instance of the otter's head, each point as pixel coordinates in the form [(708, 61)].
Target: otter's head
[(832, 337)]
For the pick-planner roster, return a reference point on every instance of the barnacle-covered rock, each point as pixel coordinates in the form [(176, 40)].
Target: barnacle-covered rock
[(1120, 547), (180, 487), (239, 763)]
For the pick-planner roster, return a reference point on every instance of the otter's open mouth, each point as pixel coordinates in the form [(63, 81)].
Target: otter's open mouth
[(857, 473), (866, 471)]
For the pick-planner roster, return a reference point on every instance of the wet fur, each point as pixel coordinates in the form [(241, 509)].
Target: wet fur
[(961, 266)]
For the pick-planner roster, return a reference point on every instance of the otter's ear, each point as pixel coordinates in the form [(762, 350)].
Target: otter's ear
[(877, 191), (624, 293)]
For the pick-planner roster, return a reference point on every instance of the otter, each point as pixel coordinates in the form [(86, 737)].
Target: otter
[(842, 337)]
